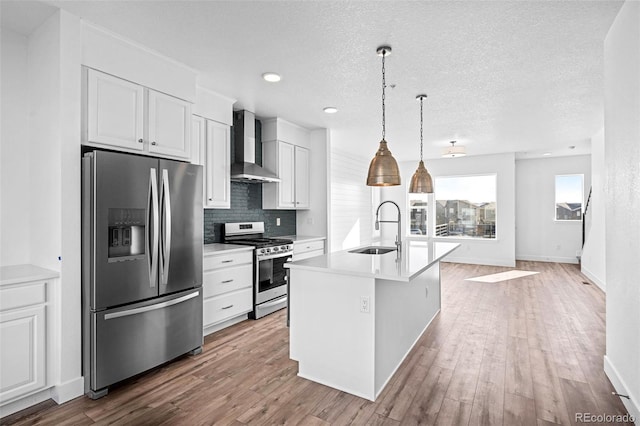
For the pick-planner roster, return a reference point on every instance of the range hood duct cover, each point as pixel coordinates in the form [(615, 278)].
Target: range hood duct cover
[(244, 168)]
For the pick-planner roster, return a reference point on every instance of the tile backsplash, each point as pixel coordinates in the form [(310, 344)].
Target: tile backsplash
[(246, 206)]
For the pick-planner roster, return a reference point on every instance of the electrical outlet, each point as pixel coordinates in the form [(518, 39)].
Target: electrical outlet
[(277, 221), (364, 304)]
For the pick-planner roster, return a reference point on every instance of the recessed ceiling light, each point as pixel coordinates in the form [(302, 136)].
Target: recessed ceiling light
[(330, 110), (271, 77), (547, 153)]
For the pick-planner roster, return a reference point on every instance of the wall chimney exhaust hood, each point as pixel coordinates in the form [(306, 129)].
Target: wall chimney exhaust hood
[(244, 168)]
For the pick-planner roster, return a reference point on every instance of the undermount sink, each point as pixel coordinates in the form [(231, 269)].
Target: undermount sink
[(373, 250)]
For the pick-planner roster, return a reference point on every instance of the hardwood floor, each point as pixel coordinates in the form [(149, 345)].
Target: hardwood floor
[(525, 351)]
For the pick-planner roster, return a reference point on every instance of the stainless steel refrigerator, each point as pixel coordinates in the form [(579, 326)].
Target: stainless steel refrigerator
[(141, 265)]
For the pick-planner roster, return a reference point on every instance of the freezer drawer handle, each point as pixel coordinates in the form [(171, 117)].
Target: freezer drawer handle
[(162, 305)]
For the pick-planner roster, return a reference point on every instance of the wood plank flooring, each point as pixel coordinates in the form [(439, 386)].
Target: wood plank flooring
[(527, 351)]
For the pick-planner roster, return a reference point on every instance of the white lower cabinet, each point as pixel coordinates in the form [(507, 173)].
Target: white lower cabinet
[(306, 249), (24, 345), (227, 288)]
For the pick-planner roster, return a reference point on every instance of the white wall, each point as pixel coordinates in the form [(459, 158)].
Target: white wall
[(14, 152), (44, 144), (501, 251), (350, 200), (538, 236), (593, 263), (622, 189), (314, 221)]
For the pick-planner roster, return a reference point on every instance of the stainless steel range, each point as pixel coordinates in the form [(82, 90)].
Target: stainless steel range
[(270, 255)]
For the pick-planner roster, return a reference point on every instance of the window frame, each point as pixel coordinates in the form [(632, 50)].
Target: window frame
[(495, 236), (555, 201)]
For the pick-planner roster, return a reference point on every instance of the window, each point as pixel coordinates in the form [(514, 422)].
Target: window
[(466, 206), (569, 197), (418, 206)]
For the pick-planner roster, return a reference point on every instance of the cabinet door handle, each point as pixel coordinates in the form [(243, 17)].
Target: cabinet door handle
[(227, 261), (226, 281), (227, 307), (153, 143), (140, 140), (210, 199)]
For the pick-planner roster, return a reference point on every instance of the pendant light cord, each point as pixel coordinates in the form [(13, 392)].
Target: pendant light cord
[(421, 99), (384, 52)]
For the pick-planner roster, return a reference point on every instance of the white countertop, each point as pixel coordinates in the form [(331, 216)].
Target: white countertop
[(303, 238), (416, 257), (217, 248), (25, 273)]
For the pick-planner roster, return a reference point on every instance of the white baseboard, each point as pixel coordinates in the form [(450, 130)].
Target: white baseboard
[(620, 386), (221, 325), (475, 261), (26, 402), (68, 390), (534, 258), (593, 278)]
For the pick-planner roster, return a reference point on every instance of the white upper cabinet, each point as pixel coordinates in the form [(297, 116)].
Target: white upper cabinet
[(217, 165), (286, 173), (291, 163), (118, 116), (169, 125), (114, 111), (198, 132), (301, 171)]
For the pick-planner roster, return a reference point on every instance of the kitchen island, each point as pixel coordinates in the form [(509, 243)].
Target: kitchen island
[(355, 317)]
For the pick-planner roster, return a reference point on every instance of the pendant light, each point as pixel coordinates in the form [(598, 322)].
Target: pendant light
[(383, 170), (421, 181)]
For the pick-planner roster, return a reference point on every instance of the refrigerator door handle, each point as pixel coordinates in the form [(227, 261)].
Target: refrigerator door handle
[(166, 227), (154, 216), (162, 305)]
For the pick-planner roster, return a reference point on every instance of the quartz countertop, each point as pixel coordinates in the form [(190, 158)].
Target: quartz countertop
[(217, 248), (303, 238), (415, 258), (25, 273)]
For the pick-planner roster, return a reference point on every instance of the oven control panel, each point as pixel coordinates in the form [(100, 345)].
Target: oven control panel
[(282, 250)]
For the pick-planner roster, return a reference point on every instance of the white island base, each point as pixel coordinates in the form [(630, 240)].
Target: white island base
[(351, 331)]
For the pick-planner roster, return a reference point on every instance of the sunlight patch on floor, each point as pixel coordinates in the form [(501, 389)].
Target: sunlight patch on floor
[(501, 276)]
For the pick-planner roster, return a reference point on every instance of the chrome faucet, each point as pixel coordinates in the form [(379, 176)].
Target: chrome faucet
[(399, 235)]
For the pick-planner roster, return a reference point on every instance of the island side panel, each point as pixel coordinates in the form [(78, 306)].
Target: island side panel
[(330, 338), (403, 313)]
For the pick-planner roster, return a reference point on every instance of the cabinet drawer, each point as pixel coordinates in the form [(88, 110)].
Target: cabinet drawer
[(224, 280), (223, 260), (224, 307), (304, 247), (23, 295)]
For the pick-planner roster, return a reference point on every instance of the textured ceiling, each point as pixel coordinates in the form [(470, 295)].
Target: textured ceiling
[(509, 76)]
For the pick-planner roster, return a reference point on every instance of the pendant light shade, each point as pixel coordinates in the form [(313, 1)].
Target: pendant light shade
[(383, 169), (421, 182)]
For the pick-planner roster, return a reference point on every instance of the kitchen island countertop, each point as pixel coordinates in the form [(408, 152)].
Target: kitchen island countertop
[(415, 258)]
